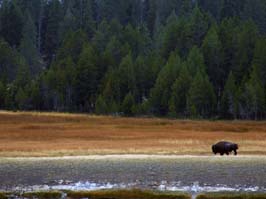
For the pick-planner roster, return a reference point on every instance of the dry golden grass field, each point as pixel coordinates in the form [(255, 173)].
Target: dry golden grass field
[(55, 134)]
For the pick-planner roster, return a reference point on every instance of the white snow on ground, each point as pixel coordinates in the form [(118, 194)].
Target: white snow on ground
[(163, 186), (197, 188)]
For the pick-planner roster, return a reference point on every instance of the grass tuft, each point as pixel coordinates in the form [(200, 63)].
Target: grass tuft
[(230, 195), (126, 194), (3, 196), (43, 195)]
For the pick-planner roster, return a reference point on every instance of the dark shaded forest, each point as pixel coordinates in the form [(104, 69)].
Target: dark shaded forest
[(174, 58)]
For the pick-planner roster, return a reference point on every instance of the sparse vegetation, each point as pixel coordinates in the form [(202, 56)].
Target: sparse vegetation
[(127, 194), (3, 195), (56, 134), (43, 195), (230, 195)]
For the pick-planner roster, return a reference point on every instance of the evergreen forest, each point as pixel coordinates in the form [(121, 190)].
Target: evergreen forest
[(197, 59)]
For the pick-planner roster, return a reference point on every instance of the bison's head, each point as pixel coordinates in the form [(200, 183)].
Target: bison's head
[(214, 149)]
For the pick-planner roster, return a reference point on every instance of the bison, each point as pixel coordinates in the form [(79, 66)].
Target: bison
[(224, 147)]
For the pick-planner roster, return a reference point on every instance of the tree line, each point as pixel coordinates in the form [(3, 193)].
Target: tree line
[(174, 58)]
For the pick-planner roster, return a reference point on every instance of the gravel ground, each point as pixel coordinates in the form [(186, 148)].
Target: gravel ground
[(188, 173)]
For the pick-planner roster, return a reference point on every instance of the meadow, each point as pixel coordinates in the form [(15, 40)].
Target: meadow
[(61, 134)]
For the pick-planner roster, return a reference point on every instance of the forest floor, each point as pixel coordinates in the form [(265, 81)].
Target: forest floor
[(26, 134)]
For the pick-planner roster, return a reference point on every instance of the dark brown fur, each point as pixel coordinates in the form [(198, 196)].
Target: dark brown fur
[(224, 147)]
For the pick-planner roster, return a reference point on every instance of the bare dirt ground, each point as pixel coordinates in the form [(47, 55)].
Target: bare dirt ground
[(28, 134)]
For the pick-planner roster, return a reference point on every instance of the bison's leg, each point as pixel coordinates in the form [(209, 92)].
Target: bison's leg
[(221, 153), (227, 153), (235, 152)]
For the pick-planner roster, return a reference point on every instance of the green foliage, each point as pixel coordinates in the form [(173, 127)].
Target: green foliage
[(126, 77), (254, 95), (87, 78), (176, 36), (178, 102), (199, 25), (231, 195), (101, 106), (11, 20), (229, 104), (43, 195), (259, 58), (128, 105), (28, 45), (2, 95), (195, 61), (21, 99), (130, 194), (212, 50), (96, 56), (72, 45), (161, 92), (51, 40), (201, 97), (35, 96), (3, 196), (245, 44)]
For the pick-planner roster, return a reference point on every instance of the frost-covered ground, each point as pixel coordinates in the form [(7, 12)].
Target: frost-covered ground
[(192, 174)]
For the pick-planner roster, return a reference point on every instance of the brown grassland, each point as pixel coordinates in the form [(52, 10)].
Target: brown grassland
[(57, 134)]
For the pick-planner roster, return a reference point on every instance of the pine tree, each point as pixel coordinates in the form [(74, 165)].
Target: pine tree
[(186, 7), (161, 92), (255, 10), (245, 44), (229, 104), (2, 95), (231, 8), (212, 50), (51, 33), (72, 45), (126, 77), (87, 78), (8, 62), (111, 91), (212, 7), (102, 36), (195, 61), (255, 94), (21, 99), (151, 16), (199, 23), (101, 106), (201, 97), (178, 102), (11, 20), (87, 17), (228, 31), (28, 45), (128, 105), (259, 59), (36, 96), (176, 35), (112, 55), (69, 23)]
